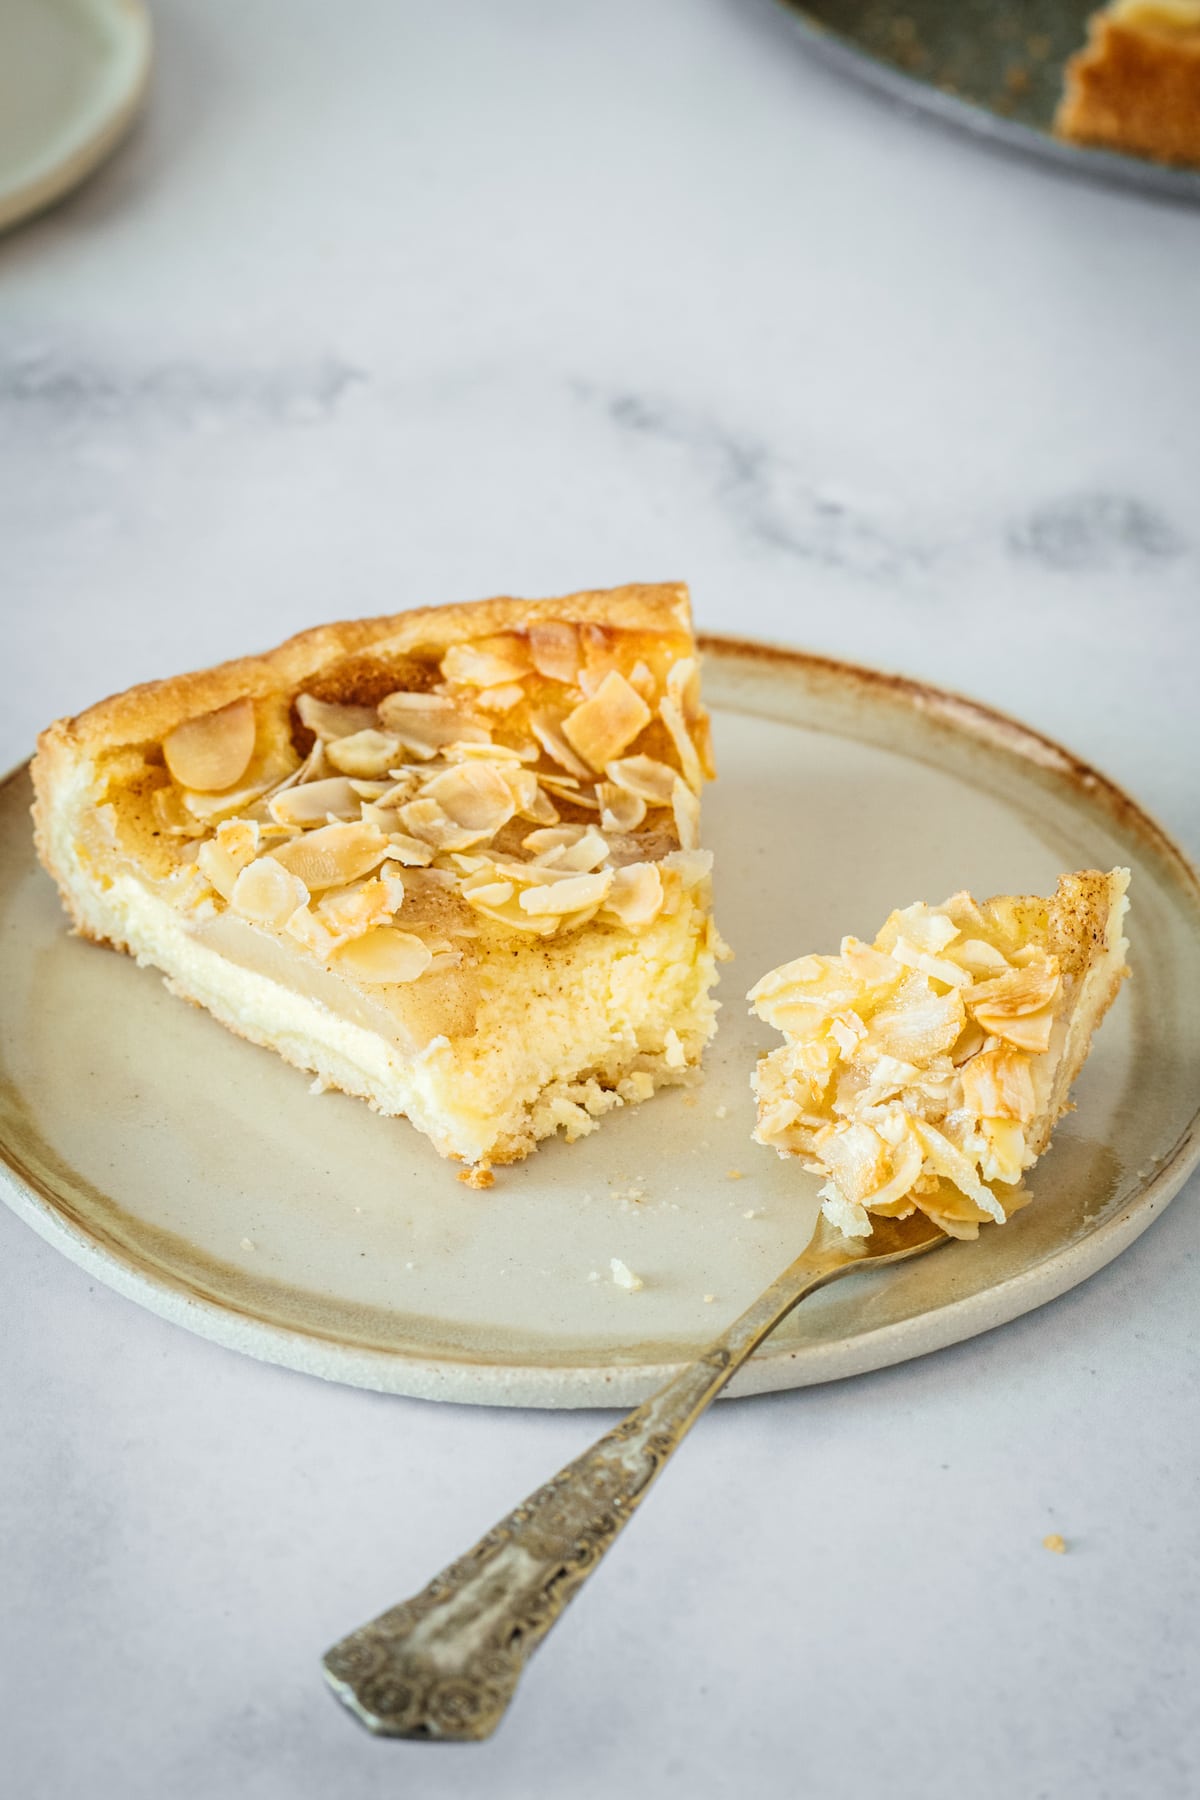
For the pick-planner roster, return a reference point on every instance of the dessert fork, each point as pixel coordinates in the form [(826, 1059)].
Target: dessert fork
[(446, 1663)]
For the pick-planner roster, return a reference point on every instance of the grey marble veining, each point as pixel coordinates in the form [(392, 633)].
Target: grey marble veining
[(391, 304)]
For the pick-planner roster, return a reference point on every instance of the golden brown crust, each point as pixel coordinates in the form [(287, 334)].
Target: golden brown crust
[(1134, 88)]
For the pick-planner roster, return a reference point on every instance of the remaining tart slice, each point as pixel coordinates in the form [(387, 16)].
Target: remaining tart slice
[(448, 860), (1136, 84), (930, 1068)]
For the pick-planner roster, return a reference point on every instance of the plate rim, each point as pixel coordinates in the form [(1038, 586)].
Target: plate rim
[(470, 1379), (855, 62), (53, 180)]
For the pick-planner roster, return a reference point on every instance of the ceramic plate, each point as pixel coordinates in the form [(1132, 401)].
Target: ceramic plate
[(72, 74), (199, 1176), (996, 71)]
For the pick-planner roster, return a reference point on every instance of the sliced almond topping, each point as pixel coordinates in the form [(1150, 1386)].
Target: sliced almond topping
[(1019, 1006), (222, 858), (213, 751), (488, 662), (574, 848), (576, 893), (350, 911), (429, 822), (683, 686), (409, 852), (686, 808), (650, 780), (333, 855), (641, 679), (311, 802), (619, 810), (565, 789), (998, 1084), (601, 727), (554, 651), (672, 717), (384, 955), (425, 723), (368, 754), (492, 893), (212, 807), (500, 699), (477, 795), (267, 893), (330, 719), (636, 895), (548, 730)]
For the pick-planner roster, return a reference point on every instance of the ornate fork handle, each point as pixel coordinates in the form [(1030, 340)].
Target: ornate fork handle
[(446, 1663)]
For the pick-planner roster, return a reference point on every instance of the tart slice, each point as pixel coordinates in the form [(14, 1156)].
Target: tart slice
[(449, 860), (928, 1070), (1135, 86)]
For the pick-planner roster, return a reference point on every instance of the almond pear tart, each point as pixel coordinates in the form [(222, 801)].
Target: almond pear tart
[(449, 860), (928, 1070)]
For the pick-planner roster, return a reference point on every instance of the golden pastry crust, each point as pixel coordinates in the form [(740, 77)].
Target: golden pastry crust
[(1134, 88)]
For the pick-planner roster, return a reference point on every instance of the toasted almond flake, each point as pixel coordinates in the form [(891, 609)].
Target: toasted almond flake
[(683, 686), (487, 662), (492, 893), (384, 955), (576, 893), (212, 752), (431, 824), (641, 679), (476, 795), (329, 719), (547, 728), (636, 895), (554, 650), (998, 1084), (333, 855), (311, 802), (350, 911), (426, 723), (574, 848), (620, 812), (601, 727), (686, 808), (267, 893), (500, 699), (568, 792), (409, 852), (672, 717), (212, 808), (369, 753), (222, 858), (644, 776)]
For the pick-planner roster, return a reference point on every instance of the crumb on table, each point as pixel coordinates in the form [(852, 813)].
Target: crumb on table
[(479, 1175), (1056, 1543), (624, 1276)]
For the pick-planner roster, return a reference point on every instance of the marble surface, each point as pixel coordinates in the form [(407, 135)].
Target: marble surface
[(395, 303)]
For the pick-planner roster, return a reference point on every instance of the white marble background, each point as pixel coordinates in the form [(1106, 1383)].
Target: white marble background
[(393, 303)]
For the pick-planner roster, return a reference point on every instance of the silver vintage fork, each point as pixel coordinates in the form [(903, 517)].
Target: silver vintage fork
[(446, 1664)]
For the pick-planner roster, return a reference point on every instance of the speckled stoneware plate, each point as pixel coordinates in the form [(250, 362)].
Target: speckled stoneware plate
[(991, 67), (198, 1175), (72, 76)]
